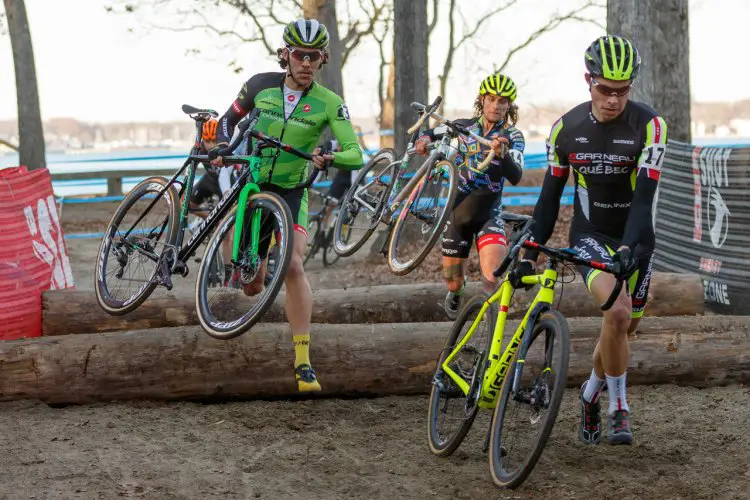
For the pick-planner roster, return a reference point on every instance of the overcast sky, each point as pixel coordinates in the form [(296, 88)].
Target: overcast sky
[(90, 67)]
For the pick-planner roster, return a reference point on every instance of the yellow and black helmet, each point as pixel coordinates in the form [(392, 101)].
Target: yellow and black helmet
[(498, 84), (613, 57), (306, 33)]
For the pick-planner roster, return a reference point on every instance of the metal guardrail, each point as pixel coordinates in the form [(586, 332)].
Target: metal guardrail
[(114, 179)]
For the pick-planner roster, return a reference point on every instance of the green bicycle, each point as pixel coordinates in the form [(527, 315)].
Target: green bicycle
[(524, 383), (148, 229)]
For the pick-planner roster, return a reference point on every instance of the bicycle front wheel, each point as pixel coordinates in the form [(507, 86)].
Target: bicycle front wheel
[(132, 249), (230, 310), (422, 218), (363, 204), (451, 412), (529, 401)]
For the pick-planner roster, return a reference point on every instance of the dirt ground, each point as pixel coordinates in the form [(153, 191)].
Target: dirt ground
[(689, 443)]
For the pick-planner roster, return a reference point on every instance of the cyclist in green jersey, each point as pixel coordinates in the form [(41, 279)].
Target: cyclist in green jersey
[(297, 110)]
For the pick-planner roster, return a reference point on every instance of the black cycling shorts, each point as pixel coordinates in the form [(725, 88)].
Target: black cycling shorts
[(340, 184), (296, 199), (475, 216), (207, 186), (601, 249)]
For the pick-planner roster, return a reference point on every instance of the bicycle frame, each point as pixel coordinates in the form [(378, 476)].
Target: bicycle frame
[(394, 169), (496, 373), (241, 189)]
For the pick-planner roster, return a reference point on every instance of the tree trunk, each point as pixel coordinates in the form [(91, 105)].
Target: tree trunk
[(369, 360), (71, 311), (659, 30), (410, 54), (325, 12), (388, 109), (31, 146)]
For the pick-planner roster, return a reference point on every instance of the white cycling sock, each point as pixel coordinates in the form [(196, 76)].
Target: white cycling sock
[(616, 388), (593, 388)]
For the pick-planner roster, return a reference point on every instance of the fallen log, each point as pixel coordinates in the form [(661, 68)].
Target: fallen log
[(377, 359), (71, 311)]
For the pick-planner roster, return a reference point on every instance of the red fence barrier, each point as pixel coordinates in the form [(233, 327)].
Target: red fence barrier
[(33, 256)]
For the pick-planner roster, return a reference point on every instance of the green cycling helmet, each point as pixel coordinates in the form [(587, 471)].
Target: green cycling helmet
[(306, 33), (499, 84), (613, 57)]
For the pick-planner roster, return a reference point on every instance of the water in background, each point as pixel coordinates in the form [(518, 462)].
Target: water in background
[(147, 159)]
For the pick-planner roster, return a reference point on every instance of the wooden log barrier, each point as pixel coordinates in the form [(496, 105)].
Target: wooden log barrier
[(374, 359), (71, 311)]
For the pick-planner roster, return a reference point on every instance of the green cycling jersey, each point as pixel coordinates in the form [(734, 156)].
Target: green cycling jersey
[(314, 110)]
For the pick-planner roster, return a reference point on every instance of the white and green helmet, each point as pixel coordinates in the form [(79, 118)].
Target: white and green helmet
[(306, 33)]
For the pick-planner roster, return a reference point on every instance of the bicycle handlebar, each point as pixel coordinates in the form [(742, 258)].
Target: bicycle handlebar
[(458, 128), (246, 128), (427, 112), (563, 254), (481, 140)]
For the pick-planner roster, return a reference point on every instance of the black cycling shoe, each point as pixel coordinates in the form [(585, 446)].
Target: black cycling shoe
[(453, 302), (618, 428), (590, 423)]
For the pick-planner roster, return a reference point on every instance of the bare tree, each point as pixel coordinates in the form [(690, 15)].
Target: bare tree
[(31, 147), (254, 21), (553, 23), (659, 30), (410, 54), (459, 36)]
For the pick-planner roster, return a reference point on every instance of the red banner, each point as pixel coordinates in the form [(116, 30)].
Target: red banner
[(33, 256)]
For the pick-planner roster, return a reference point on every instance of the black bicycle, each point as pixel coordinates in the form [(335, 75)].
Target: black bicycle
[(320, 229), (148, 228)]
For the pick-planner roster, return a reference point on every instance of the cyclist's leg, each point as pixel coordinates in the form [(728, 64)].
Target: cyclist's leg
[(202, 191), (298, 306), (456, 242), (456, 245), (492, 245), (641, 280), (341, 183), (612, 352)]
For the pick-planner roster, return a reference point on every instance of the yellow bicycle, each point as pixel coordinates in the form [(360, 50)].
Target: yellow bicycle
[(524, 383)]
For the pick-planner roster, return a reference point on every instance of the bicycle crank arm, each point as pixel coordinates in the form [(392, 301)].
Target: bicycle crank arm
[(163, 276)]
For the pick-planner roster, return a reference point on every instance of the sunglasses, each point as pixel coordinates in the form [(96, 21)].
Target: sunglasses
[(310, 55), (609, 91)]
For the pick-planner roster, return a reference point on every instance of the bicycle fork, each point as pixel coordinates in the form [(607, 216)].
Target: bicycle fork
[(250, 189)]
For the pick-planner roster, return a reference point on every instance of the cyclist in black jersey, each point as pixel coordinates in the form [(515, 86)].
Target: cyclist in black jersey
[(475, 215), (615, 148)]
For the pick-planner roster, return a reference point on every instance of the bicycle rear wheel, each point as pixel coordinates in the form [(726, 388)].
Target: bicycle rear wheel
[(364, 203), (121, 285), (228, 311), (330, 257), (530, 398), (422, 218), (313, 238), (470, 364)]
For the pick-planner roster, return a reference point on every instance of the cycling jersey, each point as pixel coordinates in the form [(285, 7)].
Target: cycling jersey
[(617, 166), (471, 154), (317, 108)]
